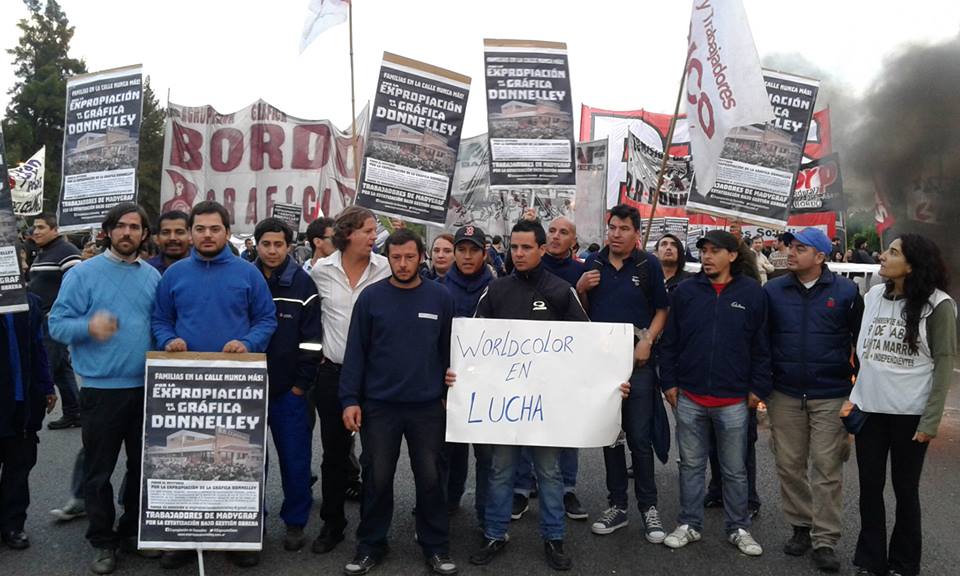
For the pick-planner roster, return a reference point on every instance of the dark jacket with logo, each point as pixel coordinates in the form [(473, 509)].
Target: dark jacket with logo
[(812, 332), (25, 417), (716, 344), (532, 295), (293, 354)]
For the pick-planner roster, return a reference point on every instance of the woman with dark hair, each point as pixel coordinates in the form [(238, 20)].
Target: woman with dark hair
[(906, 349)]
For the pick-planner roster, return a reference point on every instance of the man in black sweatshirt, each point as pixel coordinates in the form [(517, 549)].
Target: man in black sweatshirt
[(391, 391)]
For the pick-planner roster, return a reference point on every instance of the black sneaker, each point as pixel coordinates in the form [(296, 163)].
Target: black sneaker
[(129, 546), (487, 552), (556, 558), (753, 511), (825, 559), (293, 539), (173, 559), (573, 508), (15, 539), (442, 564), (520, 505), (865, 572), (104, 561), (711, 502), (328, 539), (354, 491), (64, 423), (361, 564), (244, 559), (799, 543)]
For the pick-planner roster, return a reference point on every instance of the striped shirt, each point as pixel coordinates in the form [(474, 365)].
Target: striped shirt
[(48, 268)]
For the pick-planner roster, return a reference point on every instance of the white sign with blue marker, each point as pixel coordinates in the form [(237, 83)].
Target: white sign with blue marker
[(534, 383)]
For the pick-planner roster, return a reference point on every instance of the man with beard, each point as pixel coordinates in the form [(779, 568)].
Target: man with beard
[(389, 394), (103, 315), (714, 367), (213, 301), (670, 253), (172, 238)]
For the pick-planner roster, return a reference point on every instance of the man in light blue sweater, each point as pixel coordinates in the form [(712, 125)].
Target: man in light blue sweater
[(103, 314)]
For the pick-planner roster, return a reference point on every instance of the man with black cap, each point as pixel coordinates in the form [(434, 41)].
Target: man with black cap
[(814, 324), (670, 251), (714, 366), (466, 281)]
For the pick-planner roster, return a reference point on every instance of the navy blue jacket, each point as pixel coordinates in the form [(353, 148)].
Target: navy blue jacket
[(566, 268), (716, 344), (466, 290), (812, 332), (20, 418), (293, 354)]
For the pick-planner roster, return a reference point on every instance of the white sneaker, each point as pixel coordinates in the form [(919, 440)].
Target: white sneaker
[(681, 536), (745, 543)]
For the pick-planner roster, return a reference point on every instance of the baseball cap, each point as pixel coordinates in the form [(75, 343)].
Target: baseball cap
[(813, 237), (470, 234), (720, 239)]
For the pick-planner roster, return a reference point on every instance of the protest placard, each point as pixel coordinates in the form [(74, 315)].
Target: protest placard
[(819, 186), (679, 227), (101, 145), (204, 449), (13, 291), (26, 181), (414, 137), (289, 213), (530, 383), (591, 199)]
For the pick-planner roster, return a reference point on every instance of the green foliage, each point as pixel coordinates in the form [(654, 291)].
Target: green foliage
[(151, 152), (35, 115)]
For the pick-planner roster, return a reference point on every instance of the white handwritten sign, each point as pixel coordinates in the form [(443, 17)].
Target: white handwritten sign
[(535, 383)]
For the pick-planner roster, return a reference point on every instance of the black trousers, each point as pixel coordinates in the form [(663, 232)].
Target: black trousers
[(337, 443), (385, 425), (111, 418), (884, 434), (18, 455)]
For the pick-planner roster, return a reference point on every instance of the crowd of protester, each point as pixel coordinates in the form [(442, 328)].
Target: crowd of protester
[(755, 326)]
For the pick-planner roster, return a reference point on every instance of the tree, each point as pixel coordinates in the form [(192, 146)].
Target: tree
[(151, 152), (35, 115)]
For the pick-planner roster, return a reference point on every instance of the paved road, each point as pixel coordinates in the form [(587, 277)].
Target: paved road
[(60, 549)]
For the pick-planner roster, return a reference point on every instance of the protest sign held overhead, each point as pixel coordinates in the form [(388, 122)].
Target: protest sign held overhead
[(252, 158), (414, 137), (13, 290), (529, 114), (472, 202), (679, 227), (757, 169), (204, 450), (819, 187), (290, 214), (591, 201), (101, 145), (724, 83), (528, 383), (26, 185), (643, 167)]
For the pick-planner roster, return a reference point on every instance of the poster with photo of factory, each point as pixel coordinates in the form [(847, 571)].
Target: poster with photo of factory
[(204, 449)]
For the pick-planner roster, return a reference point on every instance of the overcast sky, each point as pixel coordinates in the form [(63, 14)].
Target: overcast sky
[(624, 54)]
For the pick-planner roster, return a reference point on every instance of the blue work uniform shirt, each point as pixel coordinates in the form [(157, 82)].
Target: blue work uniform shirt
[(631, 294)]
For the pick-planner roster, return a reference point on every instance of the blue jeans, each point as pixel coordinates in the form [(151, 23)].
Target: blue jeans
[(385, 425), (715, 487), (525, 483), (499, 498), (61, 370), (637, 422), (289, 422), (693, 437)]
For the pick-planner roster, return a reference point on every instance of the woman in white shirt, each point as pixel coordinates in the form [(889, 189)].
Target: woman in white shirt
[(906, 349)]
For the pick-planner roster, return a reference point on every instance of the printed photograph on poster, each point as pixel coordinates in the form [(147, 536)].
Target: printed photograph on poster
[(13, 290), (254, 157), (590, 203), (643, 170), (414, 138), (101, 145), (472, 202), (26, 182), (204, 451), (819, 186), (679, 227), (529, 113), (756, 172), (289, 213)]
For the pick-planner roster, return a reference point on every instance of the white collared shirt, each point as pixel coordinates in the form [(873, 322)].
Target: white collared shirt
[(337, 298)]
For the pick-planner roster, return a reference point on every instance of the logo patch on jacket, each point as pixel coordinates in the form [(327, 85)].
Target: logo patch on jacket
[(539, 306), (427, 315), (737, 305), (636, 280), (831, 302)]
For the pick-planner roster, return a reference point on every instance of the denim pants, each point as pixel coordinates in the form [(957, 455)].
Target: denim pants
[(499, 497), (58, 357), (111, 418), (730, 424), (288, 418), (385, 425), (525, 482), (715, 488), (637, 422)]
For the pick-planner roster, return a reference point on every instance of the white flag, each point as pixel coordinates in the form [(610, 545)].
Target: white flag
[(26, 185), (322, 14), (725, 87)]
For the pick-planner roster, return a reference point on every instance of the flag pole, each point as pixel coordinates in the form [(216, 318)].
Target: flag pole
[(353, 107), (663, 162)]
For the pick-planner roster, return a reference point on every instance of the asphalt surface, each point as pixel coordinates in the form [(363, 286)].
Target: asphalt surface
[(60, 549)]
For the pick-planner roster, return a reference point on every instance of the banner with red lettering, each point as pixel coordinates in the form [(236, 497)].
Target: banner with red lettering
[(255, 157)]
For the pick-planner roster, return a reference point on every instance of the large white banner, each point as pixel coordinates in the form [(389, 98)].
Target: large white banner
[(26, 185), (250, 159), (531, 383), (725, 87)]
